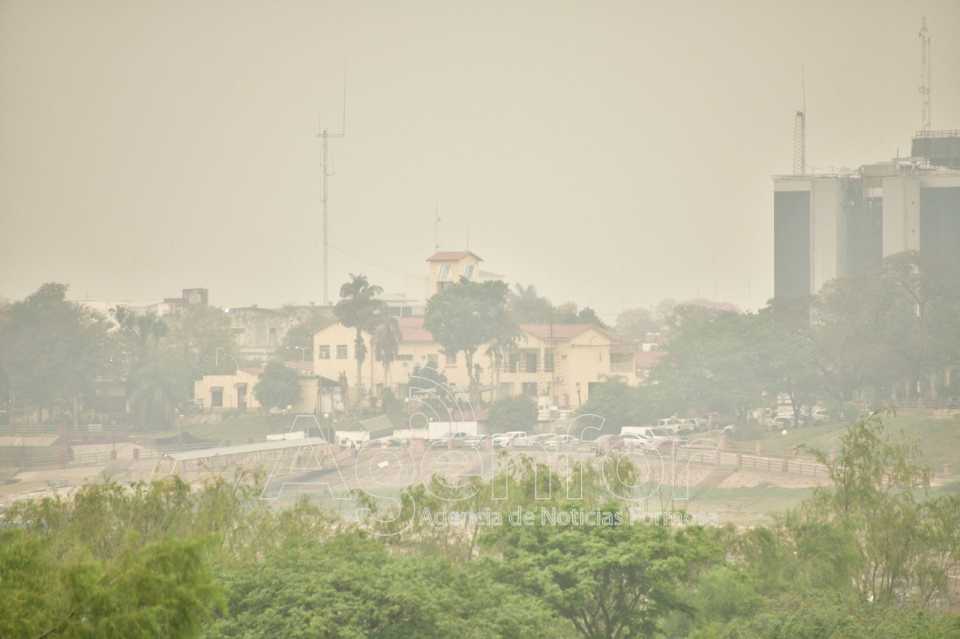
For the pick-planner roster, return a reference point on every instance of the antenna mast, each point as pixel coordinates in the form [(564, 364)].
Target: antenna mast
[(800, 131), (925, 110), (325, 174)]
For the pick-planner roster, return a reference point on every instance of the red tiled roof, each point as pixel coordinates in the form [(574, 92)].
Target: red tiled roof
[(412, 330), (557, 332), (299, 365), (451, 256)]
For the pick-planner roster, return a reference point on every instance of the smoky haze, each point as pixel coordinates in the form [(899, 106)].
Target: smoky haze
[(612, 153)]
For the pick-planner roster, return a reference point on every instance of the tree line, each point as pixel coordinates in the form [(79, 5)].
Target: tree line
[(879, 339), (60, 361)]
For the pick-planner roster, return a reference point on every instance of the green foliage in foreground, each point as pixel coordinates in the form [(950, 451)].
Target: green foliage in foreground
[(351, 586), (164, 589), (866, 558)]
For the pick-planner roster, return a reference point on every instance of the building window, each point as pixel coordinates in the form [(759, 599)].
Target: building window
[(530, 361), (548, 360), (323, 352), (216, 397), (530, 389), (342, 351), (444, 271), (242, 396), (468, 271), (451, 359)]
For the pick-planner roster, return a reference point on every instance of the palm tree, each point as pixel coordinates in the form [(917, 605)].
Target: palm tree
[(152, 394), (527, 305), (358, 308), (499, 349), (387, 338), (145, 330), (152, 387)]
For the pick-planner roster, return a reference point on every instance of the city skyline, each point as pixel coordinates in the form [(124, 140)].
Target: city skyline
[(570, 147)]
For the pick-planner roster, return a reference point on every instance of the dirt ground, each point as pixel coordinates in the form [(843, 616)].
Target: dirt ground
[(744, 495)]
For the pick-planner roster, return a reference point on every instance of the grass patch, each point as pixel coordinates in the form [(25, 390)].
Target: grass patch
[(757, 499), (244, 429), (938, 439)]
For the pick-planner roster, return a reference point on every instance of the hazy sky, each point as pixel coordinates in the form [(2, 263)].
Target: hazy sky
[(612, 153)]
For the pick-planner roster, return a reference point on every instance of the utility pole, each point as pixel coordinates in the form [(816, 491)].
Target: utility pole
[(325, 174), (925, 110)]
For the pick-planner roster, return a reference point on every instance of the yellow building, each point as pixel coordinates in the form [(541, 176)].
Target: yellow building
[(555, 361), (447, 267), (215, 393)]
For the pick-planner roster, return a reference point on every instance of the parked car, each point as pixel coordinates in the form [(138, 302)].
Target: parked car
[(453, 440), (502, 440), (641, 442), (671, 423), (560, 442), (475, 441), (529, 441)]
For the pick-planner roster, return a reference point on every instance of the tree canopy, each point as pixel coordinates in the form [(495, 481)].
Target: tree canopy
[(51, 349), (466, 315), (278, 386)]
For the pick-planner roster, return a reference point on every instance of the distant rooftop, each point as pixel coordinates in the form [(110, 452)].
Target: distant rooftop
[(452, 256), (940, 148), (558, 332)]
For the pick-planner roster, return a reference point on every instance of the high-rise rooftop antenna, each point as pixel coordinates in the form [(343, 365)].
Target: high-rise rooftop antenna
[(800, 131), (325, 174), (925, 119)]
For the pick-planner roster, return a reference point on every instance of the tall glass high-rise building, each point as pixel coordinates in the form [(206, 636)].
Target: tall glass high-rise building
[(843, 224)]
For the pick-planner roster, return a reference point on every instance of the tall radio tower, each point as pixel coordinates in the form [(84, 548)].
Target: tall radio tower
[(800, 131), (925, 124), (325, 174)]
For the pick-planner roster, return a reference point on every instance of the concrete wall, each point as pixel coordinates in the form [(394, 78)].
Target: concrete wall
[(826, 211), (901, 214)]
